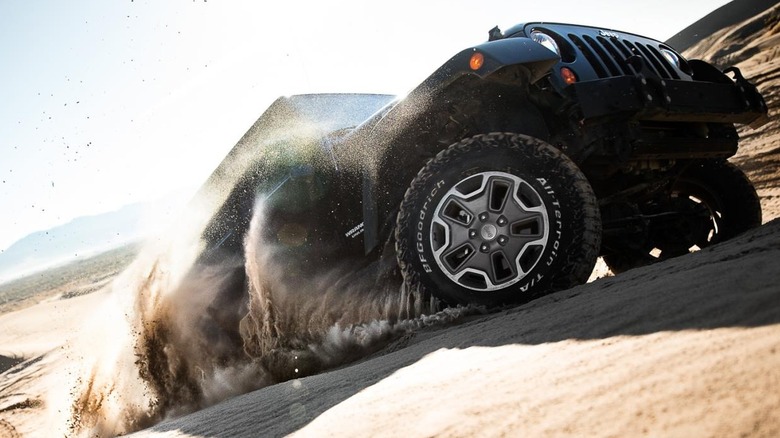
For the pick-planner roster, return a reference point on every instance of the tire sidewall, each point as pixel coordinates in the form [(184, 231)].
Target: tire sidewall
[(537, 166)]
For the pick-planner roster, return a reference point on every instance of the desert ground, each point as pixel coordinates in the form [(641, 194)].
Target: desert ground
[(686, 347)]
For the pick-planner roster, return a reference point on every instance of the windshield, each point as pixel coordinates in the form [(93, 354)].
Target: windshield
[(288, 133)]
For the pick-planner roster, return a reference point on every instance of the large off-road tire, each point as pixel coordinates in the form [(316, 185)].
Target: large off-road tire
[(715, 202), (497, 218)]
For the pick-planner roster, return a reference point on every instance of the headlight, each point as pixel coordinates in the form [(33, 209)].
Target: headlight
[(546, 40), (671, 57)]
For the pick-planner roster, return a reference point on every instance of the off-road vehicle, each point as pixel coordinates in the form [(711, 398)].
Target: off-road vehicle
[(506, 173)]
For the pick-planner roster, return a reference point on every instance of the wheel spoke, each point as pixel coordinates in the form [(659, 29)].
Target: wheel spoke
[(457, 259), (500, 192), (530, 227), (457, 212), (503, 268)]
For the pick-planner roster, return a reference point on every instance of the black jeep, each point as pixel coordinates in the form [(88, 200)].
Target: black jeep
[(506, 173)]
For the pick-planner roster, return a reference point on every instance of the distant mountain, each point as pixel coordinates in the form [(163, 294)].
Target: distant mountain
[(727, 15), (84, 236)]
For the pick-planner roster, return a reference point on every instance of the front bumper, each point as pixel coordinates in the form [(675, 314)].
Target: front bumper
[(655, 99)]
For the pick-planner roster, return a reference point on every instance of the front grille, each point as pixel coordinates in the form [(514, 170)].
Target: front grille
[(608, 56), (598, 54)]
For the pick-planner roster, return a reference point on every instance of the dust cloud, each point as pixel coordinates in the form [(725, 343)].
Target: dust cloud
[(182, 331)]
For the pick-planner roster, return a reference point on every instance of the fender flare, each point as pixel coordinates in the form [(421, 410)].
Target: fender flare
[(497, 54), (517, 51)]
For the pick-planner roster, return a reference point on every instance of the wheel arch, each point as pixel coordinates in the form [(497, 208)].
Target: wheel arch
[(488, 106), (457, 93)]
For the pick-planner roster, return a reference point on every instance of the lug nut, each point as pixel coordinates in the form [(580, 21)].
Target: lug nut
[(502, 221), (483, 217), (484, 247), (502, 240), (472, 234)]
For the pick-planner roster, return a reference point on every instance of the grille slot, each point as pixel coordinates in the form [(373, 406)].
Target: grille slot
[(608, 56), (656, 64), (593, 60), (619, 53), (658, 56), (608, 60)]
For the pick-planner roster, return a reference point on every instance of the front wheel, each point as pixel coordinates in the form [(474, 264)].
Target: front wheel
[(498, 218)]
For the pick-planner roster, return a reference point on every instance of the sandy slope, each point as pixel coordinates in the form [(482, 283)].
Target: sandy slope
[(684, 348), (689, 347), (35, 332)]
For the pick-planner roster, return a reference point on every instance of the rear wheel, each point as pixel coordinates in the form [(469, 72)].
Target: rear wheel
[(712, 201), (497, 218)]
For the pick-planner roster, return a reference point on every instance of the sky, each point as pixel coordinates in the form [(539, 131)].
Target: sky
[(107, 102)]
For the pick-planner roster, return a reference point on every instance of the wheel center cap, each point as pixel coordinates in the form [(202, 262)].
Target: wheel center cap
[(489, 231)]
